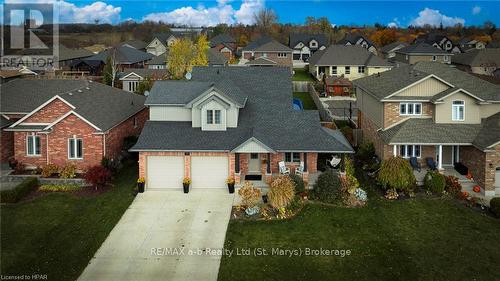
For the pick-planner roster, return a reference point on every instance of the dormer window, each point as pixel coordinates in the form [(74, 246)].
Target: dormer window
[(213, 117)]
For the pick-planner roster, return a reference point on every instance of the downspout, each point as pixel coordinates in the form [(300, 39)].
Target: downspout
[(47, 152), (104, 145)]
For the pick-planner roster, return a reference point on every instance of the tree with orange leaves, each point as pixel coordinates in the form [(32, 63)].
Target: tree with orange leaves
[(384, 36)]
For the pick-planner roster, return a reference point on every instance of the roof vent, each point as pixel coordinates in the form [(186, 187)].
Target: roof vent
[(87, 88), (70, 94), (188, 76), (80, 91)]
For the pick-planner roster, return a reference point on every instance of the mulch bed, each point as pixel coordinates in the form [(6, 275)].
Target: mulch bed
[(83, 192)]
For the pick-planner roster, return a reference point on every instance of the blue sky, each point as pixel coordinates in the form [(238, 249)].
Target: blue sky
[(195, 13)]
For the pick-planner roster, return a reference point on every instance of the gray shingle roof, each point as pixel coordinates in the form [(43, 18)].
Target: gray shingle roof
[(145, 72), (102, 105), (489, 133), (261, 61), (268, 116), (346, 55), (388, 82), (353, 38), (478, 57), (4, 122), (161, 59), (390, 47), (266, 44), (69, 54), (136, 44), (421, 48), (305, 38), (123, 55), (216, 58), (221, 38)]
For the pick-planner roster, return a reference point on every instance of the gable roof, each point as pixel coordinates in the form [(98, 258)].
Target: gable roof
[(69, 54), (266, 44), (123, 55), (160, 59), (136, 44), (346, 55), (392, 46), (305, 38), (154, 74), (261, 61), (421, 48), (478, 57), (386, 83), (216, 58), (430, 38), (268, 116), (101, 105), (163, 37), (354, 37), (220, 39)]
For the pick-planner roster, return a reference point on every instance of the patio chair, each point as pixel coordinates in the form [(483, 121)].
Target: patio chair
[(414, 164), (431, 163), (284, 170), (334, 162), (300, 169)]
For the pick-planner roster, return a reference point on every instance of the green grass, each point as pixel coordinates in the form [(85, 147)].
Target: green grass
[(302, 75), (57, 234), (417, 239), (306, 99)]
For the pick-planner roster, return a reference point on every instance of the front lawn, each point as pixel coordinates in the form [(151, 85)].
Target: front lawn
[(306, 99), (57, 234), (302, 75), (417, 239)]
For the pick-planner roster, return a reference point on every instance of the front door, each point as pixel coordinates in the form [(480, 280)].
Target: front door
[(254, 164)]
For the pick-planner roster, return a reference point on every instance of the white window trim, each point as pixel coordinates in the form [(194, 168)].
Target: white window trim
[(413, 151), (334, 70), (291, 157), (434, 58), (220, 116), (210, 112), (282, 55), (407, 106), (75, 148), (135, 122), (361, 68), (347, 70), (34, 137), (458, 106), (445, 58)]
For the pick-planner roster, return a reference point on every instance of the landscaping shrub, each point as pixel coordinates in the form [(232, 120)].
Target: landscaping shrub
[(327, 187), (50, 170), (396, 173), (13, 163), (68, 171), (21, 190), (298, 183), (434, 182), (366, 151), (453, 186), (129, 141), (97, 176), (250, 195), (59, 187), (281, 192), (495, 206), (347, 131), (20, 168)]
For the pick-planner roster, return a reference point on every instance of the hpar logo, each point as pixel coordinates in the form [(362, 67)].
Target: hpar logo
[(29, 36)]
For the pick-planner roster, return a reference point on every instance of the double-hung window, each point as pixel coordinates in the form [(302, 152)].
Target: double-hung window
[(408, 151), (458, 110), (213, 116), (33, 145), (292, 157), (75, 148), (410, 108), (334, 70), (281, 55), (347, 70), (361, 69)]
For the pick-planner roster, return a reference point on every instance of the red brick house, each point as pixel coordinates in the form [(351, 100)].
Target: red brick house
[(266, 51), (225, 44), (432, 110), (63, 121)]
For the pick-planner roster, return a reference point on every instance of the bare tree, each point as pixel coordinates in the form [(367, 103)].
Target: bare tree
[(265, 18), (114, 67)]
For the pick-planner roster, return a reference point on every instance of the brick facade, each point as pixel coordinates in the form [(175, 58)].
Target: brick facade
[(482, 165), (6, 146), (287, 61), (114, 139), (391, 112), (49, 113)]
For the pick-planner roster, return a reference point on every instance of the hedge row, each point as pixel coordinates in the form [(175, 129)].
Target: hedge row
[(21, 190)]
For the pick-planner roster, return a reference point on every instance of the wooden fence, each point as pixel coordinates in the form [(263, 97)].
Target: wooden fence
[(324, 114), (300, 86)]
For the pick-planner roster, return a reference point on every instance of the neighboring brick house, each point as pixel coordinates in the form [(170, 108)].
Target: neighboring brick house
[(421, 52), (352, 62), (131, 78), (229, 122), (434, 110), (224, 44), (270, 51), (68, 121)]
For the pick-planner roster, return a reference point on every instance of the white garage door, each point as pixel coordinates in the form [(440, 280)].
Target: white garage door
[(165, 171), (497, 177), (209, 171)]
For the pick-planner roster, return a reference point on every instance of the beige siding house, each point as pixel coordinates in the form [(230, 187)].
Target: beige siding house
[(421, 52), (437, 113)]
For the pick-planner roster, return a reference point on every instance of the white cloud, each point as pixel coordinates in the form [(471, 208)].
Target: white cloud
[(435, 18), (71, 13), (202, 16), (476, 10), (394, 23)]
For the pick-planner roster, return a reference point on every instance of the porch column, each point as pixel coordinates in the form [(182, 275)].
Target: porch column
[(268, 166), (237, 163), (394, 150), (440, 157), (305, 161)]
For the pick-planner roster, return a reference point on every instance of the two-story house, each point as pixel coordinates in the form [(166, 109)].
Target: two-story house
[(389, 50), (479, 61), (439, 41), (352, 62), (305, 45), (421, 52), (360, 40), (66, 121), (266, 51), (229, 122), (225, 44), (131, 78), (433, 110), (471, 44), (160, 43)]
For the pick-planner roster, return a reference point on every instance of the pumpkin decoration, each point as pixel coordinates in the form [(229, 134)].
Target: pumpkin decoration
[(476, 188), (465, 194), (469, 176)]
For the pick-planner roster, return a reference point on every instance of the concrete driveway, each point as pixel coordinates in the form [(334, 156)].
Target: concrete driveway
[(159, 221)]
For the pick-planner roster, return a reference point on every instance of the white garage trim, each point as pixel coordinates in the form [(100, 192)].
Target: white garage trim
[(209, 171), (164, 172)]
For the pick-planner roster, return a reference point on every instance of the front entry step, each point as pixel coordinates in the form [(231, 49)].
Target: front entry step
[(253, 177)]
